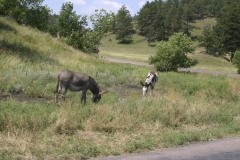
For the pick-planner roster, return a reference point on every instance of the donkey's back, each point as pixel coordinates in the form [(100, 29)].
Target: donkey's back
[(73, 81)]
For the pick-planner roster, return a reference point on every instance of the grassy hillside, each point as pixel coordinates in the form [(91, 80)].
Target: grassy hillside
[(138, 50), (184, 107)]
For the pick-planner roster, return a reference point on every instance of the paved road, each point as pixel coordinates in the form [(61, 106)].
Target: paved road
[(118, 60), (224, 149)]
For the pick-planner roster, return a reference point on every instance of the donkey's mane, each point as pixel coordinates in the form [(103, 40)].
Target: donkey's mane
[(154, 73), (94, 86)]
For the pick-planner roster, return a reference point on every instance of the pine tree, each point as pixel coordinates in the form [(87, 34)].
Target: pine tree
[(228, 28), (148, 21), (159, 22), (124, 25)]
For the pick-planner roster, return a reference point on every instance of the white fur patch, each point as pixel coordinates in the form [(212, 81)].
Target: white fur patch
[(144, 90), (149, 78)]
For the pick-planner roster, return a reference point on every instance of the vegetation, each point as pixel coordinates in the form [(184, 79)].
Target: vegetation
[(236, 61), (70, 26), (102, 22), (224, 37), (156, 21), (124, 25), (184, 107), (172, 55), (27, 12)]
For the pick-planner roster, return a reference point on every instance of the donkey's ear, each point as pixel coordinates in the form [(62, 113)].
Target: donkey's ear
[(142, 83), (102, 92)]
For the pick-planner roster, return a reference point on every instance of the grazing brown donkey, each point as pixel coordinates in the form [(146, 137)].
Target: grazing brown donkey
[(75, 81)]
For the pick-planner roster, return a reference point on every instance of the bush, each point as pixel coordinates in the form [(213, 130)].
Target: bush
[(236, 60), (172, 55)]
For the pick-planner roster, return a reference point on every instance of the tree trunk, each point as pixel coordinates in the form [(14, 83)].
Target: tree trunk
[(231, 56), (149, 40)]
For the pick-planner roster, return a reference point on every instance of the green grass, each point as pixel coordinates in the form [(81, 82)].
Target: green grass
[(210, 63), (201, 24), (184, 107), (138, 50)]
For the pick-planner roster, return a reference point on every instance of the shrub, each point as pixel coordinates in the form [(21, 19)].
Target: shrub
[(236, 60), (172, 55)]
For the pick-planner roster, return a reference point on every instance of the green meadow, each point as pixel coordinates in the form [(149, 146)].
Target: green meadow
[(184, 107)]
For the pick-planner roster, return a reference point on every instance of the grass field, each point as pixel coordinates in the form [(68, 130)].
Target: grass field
[(184, 107), (138, 50)]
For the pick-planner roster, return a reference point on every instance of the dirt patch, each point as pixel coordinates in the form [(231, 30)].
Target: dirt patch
[(123, 92), (22, 98)]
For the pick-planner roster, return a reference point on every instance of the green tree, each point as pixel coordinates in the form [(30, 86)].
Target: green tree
[(236, 60), (209, 40), (168, 18), (91, 42), (147, 21), (177, 12), (37, 16), (172, 55), (52, 24), (187, 18), (228, 28), (28, 12), (71, 27), (224, 38), (159, 21), (124, 25), (102, 23)]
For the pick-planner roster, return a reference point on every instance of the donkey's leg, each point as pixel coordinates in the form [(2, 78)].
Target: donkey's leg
[(56, 96), (151, 90), (64, 91), (83, 97), (59, 88)]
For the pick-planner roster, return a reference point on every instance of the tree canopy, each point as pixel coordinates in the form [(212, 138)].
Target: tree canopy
[(236, 60), (102, 23), (172, 54), (225, 36), (27, 12), (71, 26), (124, 27)]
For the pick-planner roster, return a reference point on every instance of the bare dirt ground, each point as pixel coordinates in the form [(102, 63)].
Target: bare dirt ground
[(21, 97)]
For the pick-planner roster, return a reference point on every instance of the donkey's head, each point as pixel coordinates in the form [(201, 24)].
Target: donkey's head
[(97, 97), (145, 88)]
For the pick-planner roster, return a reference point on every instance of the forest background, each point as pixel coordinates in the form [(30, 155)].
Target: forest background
[(156, 21)]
